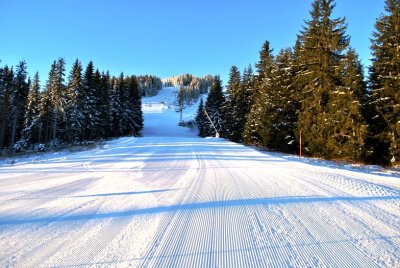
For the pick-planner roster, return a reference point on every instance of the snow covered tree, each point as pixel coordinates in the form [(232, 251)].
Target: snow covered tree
[(262, 85), (282, 107), (238, 102), (103, 105), (320, 50), (18, 99), (346, 124), (214, 108), (6, 87), (383, 140), (30, 134), (201, 120), (90, 113), (249, 90), (56, 89), (75, 99), (132, 106)]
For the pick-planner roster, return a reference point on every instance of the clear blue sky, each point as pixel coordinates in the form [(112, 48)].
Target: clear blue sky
[(163, 37)]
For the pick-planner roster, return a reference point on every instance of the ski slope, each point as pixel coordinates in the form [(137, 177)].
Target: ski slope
[(171, 199)]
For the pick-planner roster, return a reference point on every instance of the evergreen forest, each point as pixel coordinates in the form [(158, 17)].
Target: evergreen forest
[(316, 92)]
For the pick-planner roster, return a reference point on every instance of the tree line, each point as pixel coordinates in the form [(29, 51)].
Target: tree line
[(91, 105), (317, 89)]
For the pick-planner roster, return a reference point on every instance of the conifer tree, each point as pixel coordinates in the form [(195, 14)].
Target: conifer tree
[(6, 87), (132, 106), (90, 114), (233, 110), (75, 98), (262, 85), (384, 118), (56, 89), (282, 107), (104, 105), (214, 108), (201, 120), (248, 88), (136, 106), (18, 99), (30, 134), (319, 51), (346, 123)]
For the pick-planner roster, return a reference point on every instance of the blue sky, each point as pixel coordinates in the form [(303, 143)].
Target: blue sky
[(162, 37)]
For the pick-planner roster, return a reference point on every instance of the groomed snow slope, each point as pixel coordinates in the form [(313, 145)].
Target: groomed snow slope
[(182, 201)]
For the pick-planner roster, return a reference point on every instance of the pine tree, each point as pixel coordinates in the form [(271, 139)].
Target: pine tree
[(248, 88), (104, 105), (262, 85), (283, 106), (18, 101), (75, 99), (6, 88), (201, 120), (346, 123), (133, 107), (213, 107), (321, 45), (136, 104), (30, 134), (384, 118), (233, 110), (56, 89), (90, 114)]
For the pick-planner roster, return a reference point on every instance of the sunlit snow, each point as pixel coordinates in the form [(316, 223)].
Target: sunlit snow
[(171, 199)]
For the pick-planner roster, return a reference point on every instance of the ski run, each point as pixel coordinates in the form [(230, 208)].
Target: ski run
[(171, 199)]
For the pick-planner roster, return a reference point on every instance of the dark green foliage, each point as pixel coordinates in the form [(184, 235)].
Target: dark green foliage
[(320, 52), (6, 88), (214, 109), (91, 106), (18, 99), (75, 99), (262, 84), (346, 123), (201, 120), (233, 108), (383, 140), (30, 134), (283, 106)]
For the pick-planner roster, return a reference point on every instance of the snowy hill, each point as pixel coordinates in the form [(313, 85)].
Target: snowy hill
[(161, 115), (171, 199)]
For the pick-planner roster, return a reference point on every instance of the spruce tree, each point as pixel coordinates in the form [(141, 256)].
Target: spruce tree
[(263, 82), (104, 105), (283, 106), (201, 120), (18, 99), (214, 108), (30, 134), (6, 87), (383, 141), (136, 105), (346, 123), (76, 99), (56, 89), (320, 50), (248, 89), (233, 110), (90, 114)]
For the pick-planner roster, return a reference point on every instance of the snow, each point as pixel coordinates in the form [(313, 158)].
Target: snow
[(171, 199)]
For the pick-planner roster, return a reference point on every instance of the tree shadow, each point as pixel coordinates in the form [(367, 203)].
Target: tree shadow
[(10, 220), (125, 193)]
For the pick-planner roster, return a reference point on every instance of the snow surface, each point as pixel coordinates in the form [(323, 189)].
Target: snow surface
[(171, 199)]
